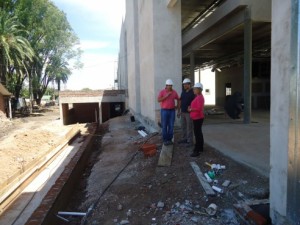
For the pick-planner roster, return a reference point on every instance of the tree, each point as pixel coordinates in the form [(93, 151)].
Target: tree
[(15, 49), (53, 41), (42, 26)]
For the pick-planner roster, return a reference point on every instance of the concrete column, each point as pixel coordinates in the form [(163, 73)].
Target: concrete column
[(284, 133), (192, 68), (100, 113), (247, 66), (10, 109), (61, 114)]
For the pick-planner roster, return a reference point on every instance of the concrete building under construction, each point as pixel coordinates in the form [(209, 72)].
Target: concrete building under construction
[(237, 41)]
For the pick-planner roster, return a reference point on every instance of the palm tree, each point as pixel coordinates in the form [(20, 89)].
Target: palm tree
[(15, 50)]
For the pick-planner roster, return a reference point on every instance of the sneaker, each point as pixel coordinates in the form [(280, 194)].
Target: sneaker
[(195, 154), (166, 143)]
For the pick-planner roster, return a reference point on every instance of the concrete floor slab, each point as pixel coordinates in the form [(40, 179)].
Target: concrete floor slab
[(246, 143)]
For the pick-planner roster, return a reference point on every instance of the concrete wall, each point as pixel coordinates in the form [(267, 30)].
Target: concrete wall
[(153, 54), (133, 67), (167, 47), (280, 109), (86, 112), (147, 64), (122, 62), (160, 53)]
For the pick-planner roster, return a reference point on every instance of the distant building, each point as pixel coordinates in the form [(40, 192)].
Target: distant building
[(90, 106)]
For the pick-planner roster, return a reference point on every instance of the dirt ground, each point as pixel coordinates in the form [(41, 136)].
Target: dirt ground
[(121, 186), (24, 139)]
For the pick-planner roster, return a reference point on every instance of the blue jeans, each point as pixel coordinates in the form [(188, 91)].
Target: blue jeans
[(167, 121)]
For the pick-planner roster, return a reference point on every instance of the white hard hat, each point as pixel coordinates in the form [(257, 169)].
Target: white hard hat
[(186, 81), (169, 82), (198, 85)]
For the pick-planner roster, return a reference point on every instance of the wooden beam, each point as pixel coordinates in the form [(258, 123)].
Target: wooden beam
[(166, 154), (207, 188)]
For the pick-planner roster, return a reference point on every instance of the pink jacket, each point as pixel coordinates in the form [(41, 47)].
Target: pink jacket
[(197, 107)]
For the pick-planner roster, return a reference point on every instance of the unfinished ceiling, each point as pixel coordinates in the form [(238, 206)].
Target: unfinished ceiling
[(193, 10), (227, 50)]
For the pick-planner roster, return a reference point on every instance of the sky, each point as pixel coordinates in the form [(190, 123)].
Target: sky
[(97, 23)]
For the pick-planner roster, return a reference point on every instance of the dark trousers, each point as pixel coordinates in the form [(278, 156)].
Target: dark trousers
[(198, 135)]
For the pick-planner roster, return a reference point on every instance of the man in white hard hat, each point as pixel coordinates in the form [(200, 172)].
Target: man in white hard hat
[(197, 115), (166, 98), (186, 97)]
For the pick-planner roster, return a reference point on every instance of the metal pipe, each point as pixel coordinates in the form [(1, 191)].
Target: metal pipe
[(62, 218), (71, 213)]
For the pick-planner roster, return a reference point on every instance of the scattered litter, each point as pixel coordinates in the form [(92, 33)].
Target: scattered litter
[(160, 204), (226, 183), (129, 213), (124, 222), (211, 174), (217, 189), (212, 209), (142, 133), (120, 207), (195, 219), (229, 217), (209, 180)]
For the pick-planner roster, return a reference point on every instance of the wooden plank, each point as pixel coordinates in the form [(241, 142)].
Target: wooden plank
[(166, 154), (257, 202), (207, 188)]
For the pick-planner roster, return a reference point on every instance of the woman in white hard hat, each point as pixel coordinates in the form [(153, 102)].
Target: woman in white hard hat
[(197, 115), (167, 98)]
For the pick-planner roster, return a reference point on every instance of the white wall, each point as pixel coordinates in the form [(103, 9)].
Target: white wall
[(208, 79)]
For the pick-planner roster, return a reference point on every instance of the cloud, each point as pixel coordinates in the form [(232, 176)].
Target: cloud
[(106, 12), (99, 72), (97, 23)]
